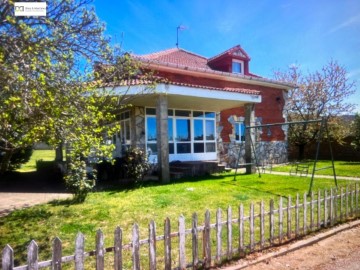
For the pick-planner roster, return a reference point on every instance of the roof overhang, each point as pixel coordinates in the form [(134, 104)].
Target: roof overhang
[(186, 97), (213, 74)]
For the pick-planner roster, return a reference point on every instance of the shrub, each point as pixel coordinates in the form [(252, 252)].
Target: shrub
[(77, 180), (135, 163), (18, 158)]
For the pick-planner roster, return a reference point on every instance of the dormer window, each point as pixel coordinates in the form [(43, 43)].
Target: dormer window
[(237, 66)]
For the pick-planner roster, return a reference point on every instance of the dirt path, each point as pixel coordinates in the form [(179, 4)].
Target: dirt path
[(9, 201), (340, 251)]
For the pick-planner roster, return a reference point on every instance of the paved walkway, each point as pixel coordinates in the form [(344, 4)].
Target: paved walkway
[(9, 201)]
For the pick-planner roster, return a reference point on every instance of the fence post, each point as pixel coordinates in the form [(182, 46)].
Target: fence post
[(305, 213), (152, 245), (167, 244), (32, 256), (281, 220), (195, 243), (312, 211), (252, 229), (79, 251), (319, 210), (241, 228), (57, 254), (118, 248), (341, 203), (8, 258), (352, 192), (347, 202), (356, 199), (297, 216), (271, 221), (289, 218), (207, 241), (332, 199), (182, 257), (218, 235), (326, 213), (262, 224), (136, 247), (100, 251), (229, 233)]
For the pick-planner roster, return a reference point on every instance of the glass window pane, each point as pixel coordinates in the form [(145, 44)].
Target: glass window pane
[(152, 148), (127, 130), (171, 148), (198, 114), (151, 129), (198, 130), (210, 147), (183, 130), (237, 131), (183, 148), (170, 129), (198, 147), (150, 111), (127, 115), (209, 114), (210, 130), (171, 112), (182, 113), (236, 67)]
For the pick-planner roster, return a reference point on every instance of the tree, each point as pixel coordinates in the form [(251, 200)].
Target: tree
[(320, 94), (356, 132)]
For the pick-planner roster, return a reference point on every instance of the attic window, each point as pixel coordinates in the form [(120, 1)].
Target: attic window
[(237, 67)]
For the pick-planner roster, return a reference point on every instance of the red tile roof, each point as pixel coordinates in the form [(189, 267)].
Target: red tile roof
[(177, 56), (133, 82)]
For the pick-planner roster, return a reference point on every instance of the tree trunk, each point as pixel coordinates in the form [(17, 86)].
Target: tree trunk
[(6, 162), (59, 153), (301, 152)]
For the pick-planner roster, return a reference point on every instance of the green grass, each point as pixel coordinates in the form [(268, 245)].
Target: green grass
[(342, 168), (110, 208), (45, 155)]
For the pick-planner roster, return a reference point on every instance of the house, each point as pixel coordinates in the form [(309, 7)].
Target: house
[(199, 110)]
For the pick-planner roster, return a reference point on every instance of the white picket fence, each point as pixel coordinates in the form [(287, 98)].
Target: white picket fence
[(202, 246)]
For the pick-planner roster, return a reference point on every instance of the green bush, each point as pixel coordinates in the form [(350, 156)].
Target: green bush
[(18, 158), (77, 180), (135, 163)]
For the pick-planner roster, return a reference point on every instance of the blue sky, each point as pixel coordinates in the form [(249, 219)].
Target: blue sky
[(274, 33)]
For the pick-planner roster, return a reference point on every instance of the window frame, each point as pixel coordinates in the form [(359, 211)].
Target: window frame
[(240, 62)]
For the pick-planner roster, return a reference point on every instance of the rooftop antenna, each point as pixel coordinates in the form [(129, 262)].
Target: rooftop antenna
[(180, 27)]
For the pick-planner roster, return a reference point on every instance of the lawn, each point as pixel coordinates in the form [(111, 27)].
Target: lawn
[(111, 207), (44, 155), (342, 168)]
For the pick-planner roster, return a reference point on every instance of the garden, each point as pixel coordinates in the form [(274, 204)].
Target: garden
[(114, 205)]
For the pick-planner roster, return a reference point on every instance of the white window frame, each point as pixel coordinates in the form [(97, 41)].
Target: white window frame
[(192, 155), (237, 126), (241, 66)]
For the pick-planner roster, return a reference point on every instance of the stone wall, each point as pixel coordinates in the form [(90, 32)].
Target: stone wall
[(274, 152)]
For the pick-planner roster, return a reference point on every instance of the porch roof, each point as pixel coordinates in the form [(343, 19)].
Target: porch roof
[(187, 96)]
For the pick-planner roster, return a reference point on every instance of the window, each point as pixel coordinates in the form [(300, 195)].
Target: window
[(237, 67), (125, 131), (188, 131), (239, 132)]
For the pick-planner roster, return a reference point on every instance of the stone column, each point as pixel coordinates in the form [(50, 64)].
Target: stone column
[(249, 136), (162, 138), (133, 127)]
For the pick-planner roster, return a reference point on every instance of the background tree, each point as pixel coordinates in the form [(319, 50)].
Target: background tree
[(48, 91), (356, 132), (320, 94)]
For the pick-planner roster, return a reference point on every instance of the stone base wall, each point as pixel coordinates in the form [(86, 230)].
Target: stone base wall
[(274, 152)]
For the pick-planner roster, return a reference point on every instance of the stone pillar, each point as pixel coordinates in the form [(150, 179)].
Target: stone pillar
[(249, 136), (133, 127), (162, 138)]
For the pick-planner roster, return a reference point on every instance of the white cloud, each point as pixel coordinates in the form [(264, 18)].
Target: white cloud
[(351, 21)]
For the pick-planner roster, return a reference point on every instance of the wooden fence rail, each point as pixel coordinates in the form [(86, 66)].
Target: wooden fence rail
[(244, 234)]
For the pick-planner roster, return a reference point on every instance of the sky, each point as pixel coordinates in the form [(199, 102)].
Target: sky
[(274, 33)]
